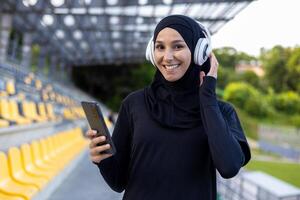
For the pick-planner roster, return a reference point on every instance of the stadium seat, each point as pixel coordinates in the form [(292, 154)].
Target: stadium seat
[(50, 111), (38, 160), (15, 115), (4, 123), (38, 84), (10, 87), (10, 197), (17, 171), (42, 110), (29, 111), (9, 186), (30, 166)]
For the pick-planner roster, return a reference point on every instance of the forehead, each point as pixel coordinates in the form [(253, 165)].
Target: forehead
[(168, 34)]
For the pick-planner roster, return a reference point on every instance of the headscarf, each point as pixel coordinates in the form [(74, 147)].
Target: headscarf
[(176, 104)]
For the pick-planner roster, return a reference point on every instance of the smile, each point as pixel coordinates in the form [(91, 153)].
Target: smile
[(171, 66)]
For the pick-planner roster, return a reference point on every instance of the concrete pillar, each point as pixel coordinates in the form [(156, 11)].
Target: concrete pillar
[(5, 26), (14, 50), (42, 60), (26, 50), (53, 64)]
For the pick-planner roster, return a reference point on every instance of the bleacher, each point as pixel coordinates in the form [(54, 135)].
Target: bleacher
[(41, 133)]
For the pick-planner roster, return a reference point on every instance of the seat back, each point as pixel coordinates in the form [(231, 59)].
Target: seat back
[(10, 87), (14, 160), (13, 109), (36, 151), (26, 155), (4, 171)]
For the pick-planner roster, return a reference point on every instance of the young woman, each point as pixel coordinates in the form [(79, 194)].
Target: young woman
[(173, 135)]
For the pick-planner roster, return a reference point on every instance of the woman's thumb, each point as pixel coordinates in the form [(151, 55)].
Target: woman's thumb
[(202, 74)]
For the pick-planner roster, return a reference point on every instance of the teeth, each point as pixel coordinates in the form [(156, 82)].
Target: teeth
[(171, 66)]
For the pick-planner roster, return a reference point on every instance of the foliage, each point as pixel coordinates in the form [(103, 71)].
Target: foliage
[(251, 78), (274, 63), (142, 75), (246, 97), (293, 70), (287, 102)]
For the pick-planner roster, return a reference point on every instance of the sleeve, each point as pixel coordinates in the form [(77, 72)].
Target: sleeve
[(115, 169), (228, 145)]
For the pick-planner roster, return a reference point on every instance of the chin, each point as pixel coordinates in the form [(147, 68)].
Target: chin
[(171, 79)]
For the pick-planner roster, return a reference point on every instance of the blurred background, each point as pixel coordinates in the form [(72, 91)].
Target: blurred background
[(56, 53)]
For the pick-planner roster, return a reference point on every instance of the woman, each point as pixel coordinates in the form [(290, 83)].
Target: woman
[(173, 135)]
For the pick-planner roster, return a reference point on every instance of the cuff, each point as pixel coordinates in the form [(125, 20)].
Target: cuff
[(208, 91)]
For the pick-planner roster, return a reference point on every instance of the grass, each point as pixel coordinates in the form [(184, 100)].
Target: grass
[(288, 172)]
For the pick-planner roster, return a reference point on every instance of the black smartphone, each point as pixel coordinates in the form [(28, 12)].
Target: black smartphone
[(96, 121)]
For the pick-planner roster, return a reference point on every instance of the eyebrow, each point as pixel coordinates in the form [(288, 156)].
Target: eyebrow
[(175, 41)]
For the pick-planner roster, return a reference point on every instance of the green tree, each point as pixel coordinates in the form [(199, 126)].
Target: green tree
[(293, 70), (226, 57), (274, 63)]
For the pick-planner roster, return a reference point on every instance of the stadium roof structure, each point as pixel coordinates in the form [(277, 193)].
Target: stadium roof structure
[(95, 32)]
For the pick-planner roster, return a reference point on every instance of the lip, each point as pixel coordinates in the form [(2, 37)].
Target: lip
[(171, 65)]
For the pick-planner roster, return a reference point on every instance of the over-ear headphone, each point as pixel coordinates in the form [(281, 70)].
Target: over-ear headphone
[(201, 53)]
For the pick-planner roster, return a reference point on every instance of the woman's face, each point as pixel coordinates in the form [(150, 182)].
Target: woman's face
[(172, 55)]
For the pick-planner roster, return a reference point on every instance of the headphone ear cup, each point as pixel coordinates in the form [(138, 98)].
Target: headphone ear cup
[(150, 51), (202, 51)]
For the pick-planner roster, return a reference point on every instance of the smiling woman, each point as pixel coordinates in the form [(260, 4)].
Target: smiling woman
[(173, 135), (172, 54)]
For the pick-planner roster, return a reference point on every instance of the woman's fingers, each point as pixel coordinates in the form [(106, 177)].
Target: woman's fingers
[(99, 158), (97, 150), (202, 74), (213, 66), (96, 141), (91, 133)]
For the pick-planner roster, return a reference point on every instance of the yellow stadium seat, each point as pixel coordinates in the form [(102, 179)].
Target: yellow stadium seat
[(45, 96), (29, 110), (38, 160), (3, 94), (42, 110), (50, 111), (10, 87), (45, 155), (38, 84), (9, 186), (4, 109), (5, 112), (17, 171), (10, 197), (14, 113), (107, 122), (30, 166), (4, 123)]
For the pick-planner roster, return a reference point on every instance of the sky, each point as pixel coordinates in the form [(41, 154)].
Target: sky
[(263, 23)]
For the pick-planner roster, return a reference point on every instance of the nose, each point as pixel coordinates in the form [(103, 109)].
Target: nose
[(168, 55)]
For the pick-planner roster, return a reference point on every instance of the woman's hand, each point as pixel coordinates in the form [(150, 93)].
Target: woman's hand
[(95, 151), (213, 68)]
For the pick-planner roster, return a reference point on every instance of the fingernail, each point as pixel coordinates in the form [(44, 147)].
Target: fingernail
[(102, 137), (107, 145)]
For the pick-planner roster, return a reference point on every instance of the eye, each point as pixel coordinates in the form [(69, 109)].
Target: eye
[(159, 47), (178, 46)]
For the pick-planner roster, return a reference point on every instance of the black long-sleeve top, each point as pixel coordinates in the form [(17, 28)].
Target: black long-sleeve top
[(158, 163)]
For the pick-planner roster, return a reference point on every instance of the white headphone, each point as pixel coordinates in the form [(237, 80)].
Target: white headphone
[(201, 53)]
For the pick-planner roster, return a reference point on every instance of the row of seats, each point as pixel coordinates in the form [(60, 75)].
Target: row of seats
[(24, 112), (7, 88), (25, 171)]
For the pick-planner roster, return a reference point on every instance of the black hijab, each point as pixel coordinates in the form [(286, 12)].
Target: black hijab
[(176, 104)]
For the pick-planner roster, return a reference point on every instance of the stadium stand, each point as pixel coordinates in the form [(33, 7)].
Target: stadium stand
[(31, 158)]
